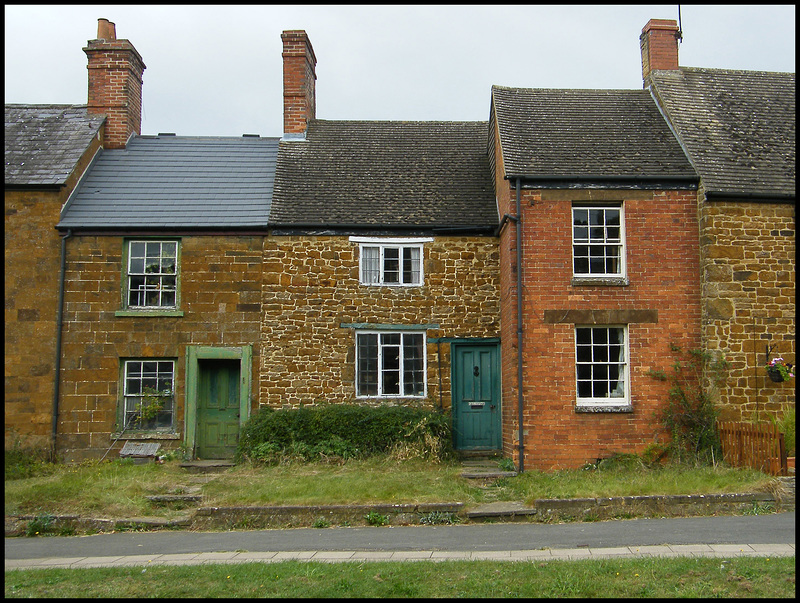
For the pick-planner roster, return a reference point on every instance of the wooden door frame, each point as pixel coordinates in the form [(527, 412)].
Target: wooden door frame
[(196, 353), (469, 342)]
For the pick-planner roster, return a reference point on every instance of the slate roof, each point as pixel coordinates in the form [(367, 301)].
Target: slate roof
[(737, 126), (45, 142), (585, 134), (177, 181), (394, 174)]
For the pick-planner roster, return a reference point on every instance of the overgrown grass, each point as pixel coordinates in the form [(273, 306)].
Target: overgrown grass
[(118, 488), (630, 477), (96, 489), (642, 577)]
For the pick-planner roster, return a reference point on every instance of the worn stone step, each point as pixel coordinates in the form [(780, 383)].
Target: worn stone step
[(207, 466)]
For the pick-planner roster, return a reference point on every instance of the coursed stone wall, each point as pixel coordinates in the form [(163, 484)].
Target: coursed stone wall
[(311, 289), (748, 263)]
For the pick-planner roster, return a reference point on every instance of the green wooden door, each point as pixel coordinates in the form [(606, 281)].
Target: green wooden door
[(217, 409), (476, 396)]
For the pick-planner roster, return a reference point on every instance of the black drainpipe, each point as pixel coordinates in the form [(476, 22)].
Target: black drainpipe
[(59, 322), (518, 224)]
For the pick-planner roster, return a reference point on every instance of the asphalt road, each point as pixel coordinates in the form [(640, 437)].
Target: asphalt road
[(778, 528)]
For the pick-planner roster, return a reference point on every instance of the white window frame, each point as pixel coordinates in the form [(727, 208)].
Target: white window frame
[(156, 278), (382, 244), (134, 383), (382, 348), (594, 242), (601, 359)]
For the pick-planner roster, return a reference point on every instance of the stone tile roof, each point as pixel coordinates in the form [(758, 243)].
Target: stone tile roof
[(737, 126), (585, 134), (177, 181), (45, 142), (386, 173)]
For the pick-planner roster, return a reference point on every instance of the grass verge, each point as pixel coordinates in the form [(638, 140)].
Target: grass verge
[(647, 577), (117, 489)]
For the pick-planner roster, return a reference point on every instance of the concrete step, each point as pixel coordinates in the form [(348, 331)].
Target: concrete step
[(207, 466)]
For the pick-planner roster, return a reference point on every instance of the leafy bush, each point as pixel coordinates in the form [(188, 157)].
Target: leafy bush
[(343, 431), (689, 415)]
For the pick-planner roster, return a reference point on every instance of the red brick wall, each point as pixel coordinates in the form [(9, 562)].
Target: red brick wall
[(663, 271), (115, 88), (299, 81)]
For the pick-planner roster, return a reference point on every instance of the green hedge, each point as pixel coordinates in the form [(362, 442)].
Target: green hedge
[(344, 430)]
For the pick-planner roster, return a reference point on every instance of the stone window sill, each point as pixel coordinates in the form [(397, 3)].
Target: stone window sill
[(141, 313), (607, 281), (603, 408), (149, 435)]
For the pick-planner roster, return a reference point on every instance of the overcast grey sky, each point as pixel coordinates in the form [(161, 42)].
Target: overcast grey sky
[(216, 70)]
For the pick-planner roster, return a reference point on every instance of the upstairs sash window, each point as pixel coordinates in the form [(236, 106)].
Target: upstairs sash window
[(152, 274), (598, 248)]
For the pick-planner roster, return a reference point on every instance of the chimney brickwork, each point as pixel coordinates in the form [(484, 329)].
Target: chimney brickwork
[(659, 44), (115, 84), (299, 82)]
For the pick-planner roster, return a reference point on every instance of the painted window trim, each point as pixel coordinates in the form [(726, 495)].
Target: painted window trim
[(383, 243), (150, 311), (622, 404), (145, 433), (606, 279), (402, 332)]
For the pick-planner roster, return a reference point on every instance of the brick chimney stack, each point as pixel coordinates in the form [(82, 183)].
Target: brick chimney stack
[(659, 44), (299, 83), (115, 84)]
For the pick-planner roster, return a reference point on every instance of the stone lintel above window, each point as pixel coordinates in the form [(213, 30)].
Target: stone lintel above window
[(599, 317)]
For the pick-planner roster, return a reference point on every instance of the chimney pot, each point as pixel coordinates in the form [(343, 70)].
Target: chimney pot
[(106, 30)]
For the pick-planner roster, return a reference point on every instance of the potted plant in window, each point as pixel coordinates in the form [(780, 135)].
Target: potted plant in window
[(779, 370)]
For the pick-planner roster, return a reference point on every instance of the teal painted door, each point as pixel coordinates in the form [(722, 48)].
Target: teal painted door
[(476, 397), (217, 409)]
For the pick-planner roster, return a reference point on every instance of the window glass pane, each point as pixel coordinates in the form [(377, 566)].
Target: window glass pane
[(367, 378), (411, 265), (371, 265), (413, 365), (391, 265), (580, 217)]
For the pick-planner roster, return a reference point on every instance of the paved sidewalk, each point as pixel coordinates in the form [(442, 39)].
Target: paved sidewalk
[(695, 550)]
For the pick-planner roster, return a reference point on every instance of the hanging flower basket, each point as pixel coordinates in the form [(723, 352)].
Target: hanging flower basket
[(779, 370), (775, 375)]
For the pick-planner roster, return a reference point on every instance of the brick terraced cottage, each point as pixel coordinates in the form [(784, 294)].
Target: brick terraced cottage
[(599, 256)]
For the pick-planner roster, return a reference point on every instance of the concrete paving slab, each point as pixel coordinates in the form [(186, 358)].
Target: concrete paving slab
[(96, 561), (571, 553), (410, 555), (255, 556), (610, 551)]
